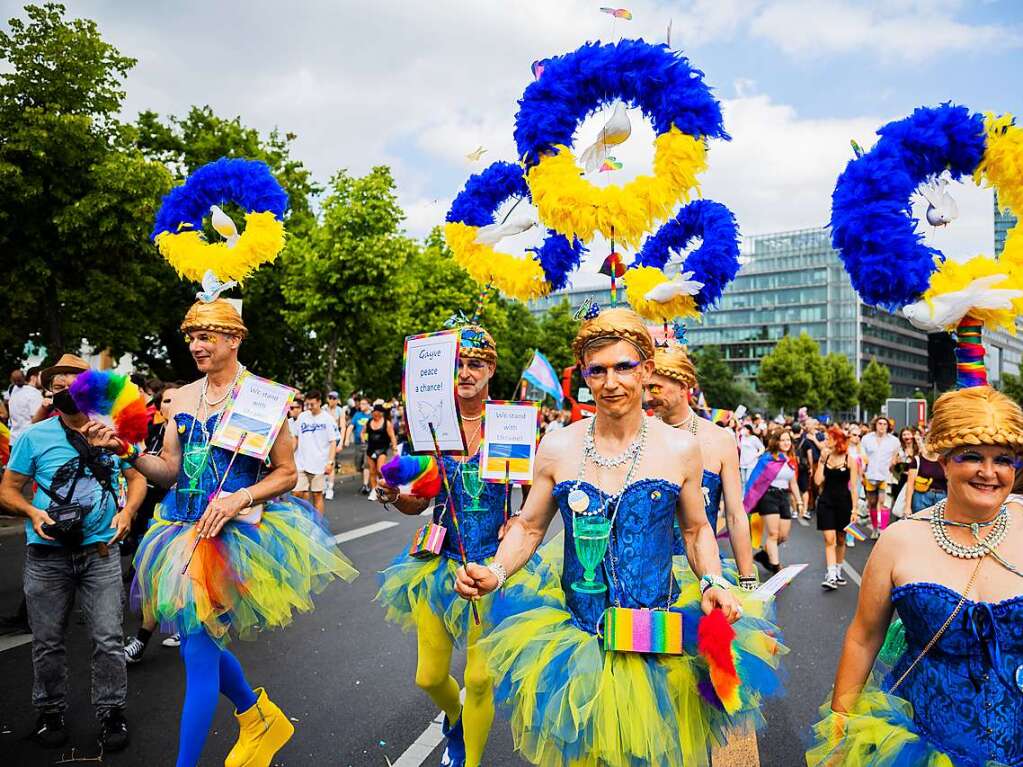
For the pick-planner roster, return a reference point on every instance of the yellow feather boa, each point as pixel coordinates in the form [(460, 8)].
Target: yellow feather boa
[(1002, 169), (191, 255), (520, 278), (638, 282), (953, 276), (572, 206)]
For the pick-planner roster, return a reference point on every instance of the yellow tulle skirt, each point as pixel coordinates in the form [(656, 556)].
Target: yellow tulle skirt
[(247, 578)]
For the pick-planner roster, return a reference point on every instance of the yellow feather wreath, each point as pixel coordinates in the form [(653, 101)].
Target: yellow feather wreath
[(191, 255), (574, 207), (639, 280), (953, 276), (520, 278), (1001, 168)]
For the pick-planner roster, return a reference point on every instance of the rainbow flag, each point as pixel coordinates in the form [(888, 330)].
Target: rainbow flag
[(516, 456), (720, 415), (5, 444), (856, 531), (640, 630), (541, 374)]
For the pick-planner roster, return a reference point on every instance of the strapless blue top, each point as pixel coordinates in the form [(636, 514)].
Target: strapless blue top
[(637, 565), (711, 484), (967, 692), (187, 500), (479, 528)]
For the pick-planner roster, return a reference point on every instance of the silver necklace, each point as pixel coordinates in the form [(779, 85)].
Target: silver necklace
[(689, 423), (999, 529), (590, 448), (204, 404), (472, 418)]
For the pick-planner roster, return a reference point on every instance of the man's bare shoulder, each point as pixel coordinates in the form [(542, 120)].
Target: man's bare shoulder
[(555, 442), (187, 397), (678, 442)]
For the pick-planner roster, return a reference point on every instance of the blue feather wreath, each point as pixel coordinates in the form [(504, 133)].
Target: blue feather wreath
[(652, 77), (872, 224), (483, 194), (247, 183), (715, 263)]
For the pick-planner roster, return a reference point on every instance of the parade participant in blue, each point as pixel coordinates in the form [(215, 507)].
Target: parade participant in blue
[(954, 575), (417, 589), (228, 551), (238, 562), (668, 394), (626, 669)]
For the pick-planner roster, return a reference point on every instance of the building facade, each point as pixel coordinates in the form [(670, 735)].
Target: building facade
[(1003, 351)]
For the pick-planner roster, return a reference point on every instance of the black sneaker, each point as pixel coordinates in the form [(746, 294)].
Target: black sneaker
[(839, 578), (364, 490), (49, 730), (133, 650), (761, 558), (113, 732)]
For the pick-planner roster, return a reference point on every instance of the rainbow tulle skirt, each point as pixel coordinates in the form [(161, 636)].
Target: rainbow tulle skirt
[(572, 704), (248, 578), (409, 585), (878, 732)]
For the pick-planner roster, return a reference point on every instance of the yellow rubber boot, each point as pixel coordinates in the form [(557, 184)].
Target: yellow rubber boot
[(264, 731)]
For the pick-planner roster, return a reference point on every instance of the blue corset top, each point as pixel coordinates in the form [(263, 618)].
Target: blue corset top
[(480, 521), (201, 470), (711, 484), (967, 692), (637, 565)]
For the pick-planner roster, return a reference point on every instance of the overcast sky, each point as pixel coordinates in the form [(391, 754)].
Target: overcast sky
[(418, 85)]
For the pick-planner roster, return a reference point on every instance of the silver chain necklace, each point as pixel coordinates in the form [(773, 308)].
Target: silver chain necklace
[(590, 448), (999, 529), (689, 423)]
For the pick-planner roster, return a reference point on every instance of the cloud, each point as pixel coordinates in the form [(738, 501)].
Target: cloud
[(906, 29)]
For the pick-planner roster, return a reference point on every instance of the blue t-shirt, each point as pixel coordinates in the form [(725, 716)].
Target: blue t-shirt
[(358, 424), (43, 453)]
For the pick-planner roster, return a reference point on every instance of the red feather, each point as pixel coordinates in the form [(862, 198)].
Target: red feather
[(132, 423)]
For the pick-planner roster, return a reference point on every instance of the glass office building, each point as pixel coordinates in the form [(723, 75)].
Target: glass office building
[(1003, 351), (790, 283)]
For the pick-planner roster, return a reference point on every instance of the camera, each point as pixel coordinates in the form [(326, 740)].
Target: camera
[(67, 527)]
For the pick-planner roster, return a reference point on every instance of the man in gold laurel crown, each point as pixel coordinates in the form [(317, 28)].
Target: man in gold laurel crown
[(668, 394), (619, 481)]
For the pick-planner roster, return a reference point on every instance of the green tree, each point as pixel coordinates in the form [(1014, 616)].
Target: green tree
[(1012, 386), (839, 391), (558, 328), (792, 374), (78, 198), (717, 382), (875, 387), (344, 282)]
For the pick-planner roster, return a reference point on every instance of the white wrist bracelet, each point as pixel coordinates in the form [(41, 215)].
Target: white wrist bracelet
[(502, 575), (248, 494)]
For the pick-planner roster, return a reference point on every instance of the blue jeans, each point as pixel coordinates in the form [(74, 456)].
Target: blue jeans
[(52, 579), (922, 500)]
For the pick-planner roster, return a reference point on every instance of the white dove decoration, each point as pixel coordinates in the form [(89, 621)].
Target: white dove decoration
[(683, 285), (224, 225), (494, 233), (615, 131), (941, 207), (211, 286), (947, 309)]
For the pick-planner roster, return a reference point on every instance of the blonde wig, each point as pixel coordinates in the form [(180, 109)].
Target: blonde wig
[(978, 415), (617, 324)]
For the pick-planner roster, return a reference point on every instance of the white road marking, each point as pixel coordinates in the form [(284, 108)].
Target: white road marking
[(431, 737), (359, 532), (851, 571), (10, 642)]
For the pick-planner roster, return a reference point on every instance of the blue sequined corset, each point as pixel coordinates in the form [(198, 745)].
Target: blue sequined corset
[(639, 549), (967, 692), (183, 506), (479, 529), (711, 484)]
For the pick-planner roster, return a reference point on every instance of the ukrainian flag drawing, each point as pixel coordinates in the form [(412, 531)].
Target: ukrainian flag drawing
[(517, 457)]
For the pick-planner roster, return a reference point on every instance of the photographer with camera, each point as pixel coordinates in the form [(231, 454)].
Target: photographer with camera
[(84, 503)]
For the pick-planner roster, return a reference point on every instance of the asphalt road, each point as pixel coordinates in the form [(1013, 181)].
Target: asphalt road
[(345, 676)]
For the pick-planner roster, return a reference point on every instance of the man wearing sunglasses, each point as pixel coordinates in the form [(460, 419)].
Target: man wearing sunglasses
[(619, 480)]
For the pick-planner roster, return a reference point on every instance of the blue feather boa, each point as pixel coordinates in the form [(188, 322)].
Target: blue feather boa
[(483, 194), (247, 183), (715, 263), (652, 77), (872, 225)]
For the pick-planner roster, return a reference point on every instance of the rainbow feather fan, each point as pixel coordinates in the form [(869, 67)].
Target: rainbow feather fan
[(419, 471), (104, 393), (714, 641)]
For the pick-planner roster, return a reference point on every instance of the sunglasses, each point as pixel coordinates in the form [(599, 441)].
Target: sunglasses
[(621, 369), (975, 459)]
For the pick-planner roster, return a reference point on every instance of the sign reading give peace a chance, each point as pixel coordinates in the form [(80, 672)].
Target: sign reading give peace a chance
[(428, 388)]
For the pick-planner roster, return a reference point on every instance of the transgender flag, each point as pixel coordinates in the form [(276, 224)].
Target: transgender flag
[(540, 374)]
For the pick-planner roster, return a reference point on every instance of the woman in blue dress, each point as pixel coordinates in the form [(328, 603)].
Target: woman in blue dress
[(954, 574), (578, 691)]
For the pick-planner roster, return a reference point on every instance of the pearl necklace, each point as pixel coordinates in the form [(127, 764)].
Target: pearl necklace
[(689, 423), (999, 529), (590, 448)]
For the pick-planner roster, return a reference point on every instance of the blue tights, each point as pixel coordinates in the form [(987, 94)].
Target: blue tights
[(209, 670)]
